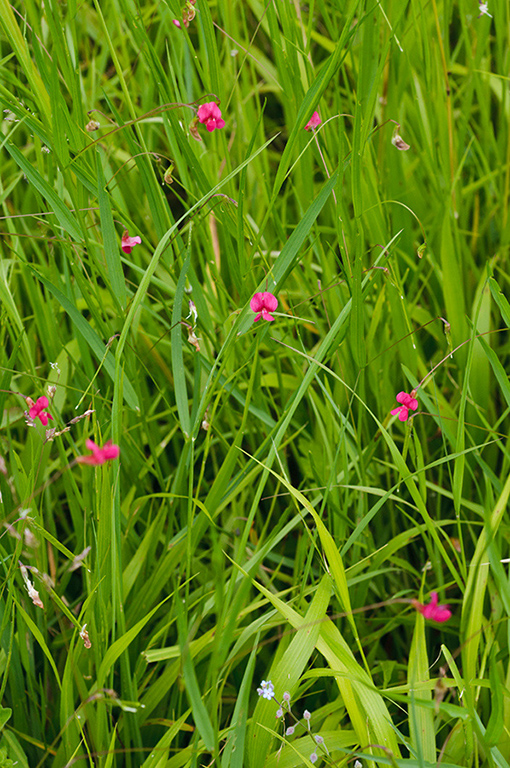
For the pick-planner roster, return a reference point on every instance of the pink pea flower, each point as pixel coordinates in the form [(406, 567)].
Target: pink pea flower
[(408, 403), (313, 122), (37, 409), (128, 243), (433, 611), (99, 455), (210, 114), (264, 303)]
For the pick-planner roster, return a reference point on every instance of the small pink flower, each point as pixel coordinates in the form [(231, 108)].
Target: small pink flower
[(264, 303), (128, 243), (433, 610), (408, 403), (37, 410), (99, 455), (210, 114), (313, 122), (177, 23)]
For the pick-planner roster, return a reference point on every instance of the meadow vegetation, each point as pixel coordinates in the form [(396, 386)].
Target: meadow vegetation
[(265, 517)]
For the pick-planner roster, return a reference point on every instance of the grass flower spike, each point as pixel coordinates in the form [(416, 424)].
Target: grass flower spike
[(408, 403), (210, 115), (37, 410), (313, 122), (99, 455), (263, 304), (432, 610), (128, 243)]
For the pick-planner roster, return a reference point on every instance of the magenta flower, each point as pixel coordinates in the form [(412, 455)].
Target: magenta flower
[(313, 122), (433, 610), (177, 23), (264, 303), (99, 455), (408, 403), (210, 114), (37, 410), (128, 243)]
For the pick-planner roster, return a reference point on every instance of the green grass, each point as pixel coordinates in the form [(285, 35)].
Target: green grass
[(267, 517)]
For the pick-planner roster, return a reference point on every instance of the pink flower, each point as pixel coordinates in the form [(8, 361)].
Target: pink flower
[(99, 455), (128, 243), (433, 610), (210, 114), (177, 23), (37, 410), (264, 303), (313, 122), (408, 403)]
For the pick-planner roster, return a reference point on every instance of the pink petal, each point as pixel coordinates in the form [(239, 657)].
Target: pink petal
[(205, 112), (128, 243), (270, 301), (210, 114), (257, 302), (432, 610), (99, 455), (313, 122), (110, 451), (87, 460)]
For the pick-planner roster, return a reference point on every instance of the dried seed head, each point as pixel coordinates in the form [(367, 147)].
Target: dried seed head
[(399, 142), (193, 339), (193, 129)]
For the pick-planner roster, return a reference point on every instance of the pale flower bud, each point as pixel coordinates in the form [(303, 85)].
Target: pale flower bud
[(32, 592), (85, 637)]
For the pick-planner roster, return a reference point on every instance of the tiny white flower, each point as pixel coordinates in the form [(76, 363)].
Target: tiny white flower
[(484, 9), (192, 312), (266, 689)]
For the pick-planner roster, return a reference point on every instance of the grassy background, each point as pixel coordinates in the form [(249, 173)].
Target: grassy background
[(267, 518)]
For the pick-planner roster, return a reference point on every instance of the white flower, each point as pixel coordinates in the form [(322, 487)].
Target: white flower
[(266, 689), (192, 312), (484, 9)]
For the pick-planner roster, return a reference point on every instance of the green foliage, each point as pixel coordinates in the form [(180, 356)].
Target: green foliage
[(267, 517)]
